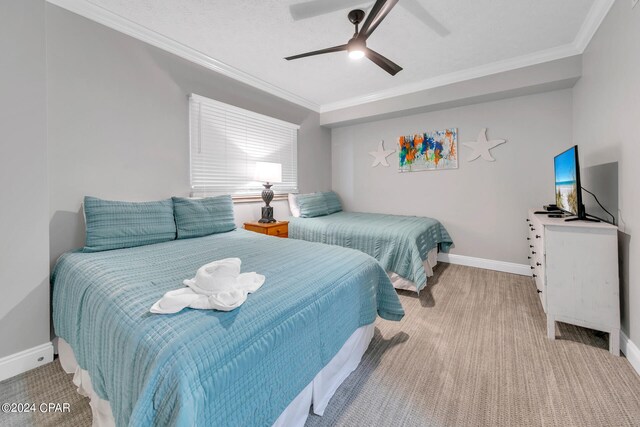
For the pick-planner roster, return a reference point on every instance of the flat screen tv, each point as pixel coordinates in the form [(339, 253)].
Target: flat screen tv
[(568, 186), (568, 189)]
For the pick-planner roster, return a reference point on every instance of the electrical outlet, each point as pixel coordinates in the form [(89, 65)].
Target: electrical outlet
[(634, 3)]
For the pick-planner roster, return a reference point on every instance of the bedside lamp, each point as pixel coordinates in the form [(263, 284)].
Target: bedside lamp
[(268, 173)]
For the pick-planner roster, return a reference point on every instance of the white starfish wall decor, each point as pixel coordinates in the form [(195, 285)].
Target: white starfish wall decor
[(482, 146), (380, 156)]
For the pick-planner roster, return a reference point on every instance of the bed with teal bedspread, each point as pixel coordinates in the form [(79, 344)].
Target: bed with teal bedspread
[(205, 367), (399, 243)]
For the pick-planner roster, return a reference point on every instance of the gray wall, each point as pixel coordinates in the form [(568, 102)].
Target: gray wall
[(482, 204), (24, 251), (118, 123), (606, 124)]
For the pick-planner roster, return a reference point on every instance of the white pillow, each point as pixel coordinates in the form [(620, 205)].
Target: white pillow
[(293, 205)]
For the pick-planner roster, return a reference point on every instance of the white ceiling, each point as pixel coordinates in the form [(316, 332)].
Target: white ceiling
[(255, 35)]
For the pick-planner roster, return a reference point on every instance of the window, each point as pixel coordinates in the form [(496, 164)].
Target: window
[(227, 141)]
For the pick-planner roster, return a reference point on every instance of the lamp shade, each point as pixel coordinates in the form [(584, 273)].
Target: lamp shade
[(268, 172)]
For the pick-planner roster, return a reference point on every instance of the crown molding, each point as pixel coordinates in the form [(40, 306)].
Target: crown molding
[(539, 57), (591, 23), (594, 18), (116, 22)]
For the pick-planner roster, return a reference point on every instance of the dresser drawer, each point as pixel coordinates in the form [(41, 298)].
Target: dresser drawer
[(535, 246)]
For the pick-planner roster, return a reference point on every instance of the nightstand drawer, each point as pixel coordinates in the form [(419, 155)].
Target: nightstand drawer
[(276, 229), (255, 229), (280, 230)]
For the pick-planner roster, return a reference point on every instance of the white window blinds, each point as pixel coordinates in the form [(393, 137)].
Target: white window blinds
[(227, 141)]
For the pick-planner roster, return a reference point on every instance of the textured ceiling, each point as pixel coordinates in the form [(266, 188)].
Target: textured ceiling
[(255, 35)]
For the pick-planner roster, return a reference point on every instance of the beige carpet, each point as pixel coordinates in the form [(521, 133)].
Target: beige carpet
[(46, 384), (471, 351)]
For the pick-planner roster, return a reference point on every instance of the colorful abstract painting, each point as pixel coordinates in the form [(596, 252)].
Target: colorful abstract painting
[(429, 151)]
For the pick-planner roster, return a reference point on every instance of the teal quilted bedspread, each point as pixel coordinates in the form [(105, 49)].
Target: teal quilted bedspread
[(399, 243), (205, 367)]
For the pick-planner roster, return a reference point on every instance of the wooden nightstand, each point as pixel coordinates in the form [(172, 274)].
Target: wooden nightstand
[(278, 229)]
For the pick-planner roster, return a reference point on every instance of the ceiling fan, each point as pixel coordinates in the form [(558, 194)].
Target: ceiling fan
[(312, 8), (357, 45)]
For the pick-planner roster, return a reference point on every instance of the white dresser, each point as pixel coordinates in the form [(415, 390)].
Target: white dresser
[(575, 268)]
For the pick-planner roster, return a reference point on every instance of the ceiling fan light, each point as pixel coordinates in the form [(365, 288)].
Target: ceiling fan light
[(356, 48), (356, 54)]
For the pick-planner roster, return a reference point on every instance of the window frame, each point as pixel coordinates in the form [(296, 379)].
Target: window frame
[(238, 114)]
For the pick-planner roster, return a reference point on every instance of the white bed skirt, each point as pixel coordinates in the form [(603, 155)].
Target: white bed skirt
[(318, 392), (400, 282)]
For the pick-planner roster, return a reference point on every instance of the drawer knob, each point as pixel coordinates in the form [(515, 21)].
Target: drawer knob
[(539, 291), (528, 257), (532, 267), (537, 236), (528, 220), (533, 252), (530, 246), (535, 275), (528, 238), (538, 264)]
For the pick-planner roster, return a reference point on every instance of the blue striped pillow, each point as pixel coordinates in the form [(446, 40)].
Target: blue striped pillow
[(116, 225), (312, 205), (333, 202), (201, 217)]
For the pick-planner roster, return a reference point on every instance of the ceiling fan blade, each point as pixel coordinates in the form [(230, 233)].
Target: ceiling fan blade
[(318, 52), (425, 17), (382, 62), (310, 9), (313, 8), (378, 12)]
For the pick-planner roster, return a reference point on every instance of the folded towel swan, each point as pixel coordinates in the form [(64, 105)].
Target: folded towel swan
[(218, 285)]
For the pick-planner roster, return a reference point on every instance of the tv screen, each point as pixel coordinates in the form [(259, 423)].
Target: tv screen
[(568, 181)]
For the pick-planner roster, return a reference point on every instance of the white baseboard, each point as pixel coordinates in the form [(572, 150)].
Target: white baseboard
[(488, 264), (631, 351), (26, 360)]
